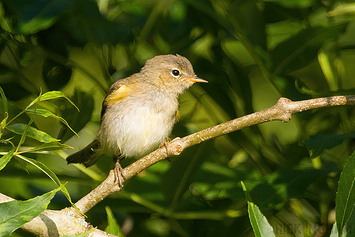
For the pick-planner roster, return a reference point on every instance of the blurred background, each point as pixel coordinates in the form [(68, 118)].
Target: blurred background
[(252, 52)]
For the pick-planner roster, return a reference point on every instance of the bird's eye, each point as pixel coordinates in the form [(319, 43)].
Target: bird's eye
[(175, 72)]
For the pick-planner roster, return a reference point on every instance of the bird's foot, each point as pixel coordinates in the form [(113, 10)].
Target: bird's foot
[(118, 174)]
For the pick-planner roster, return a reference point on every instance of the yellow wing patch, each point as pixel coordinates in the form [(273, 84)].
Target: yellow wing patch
[(117, 95)]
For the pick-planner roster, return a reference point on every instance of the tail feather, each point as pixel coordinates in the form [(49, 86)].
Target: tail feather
[(87, 156)]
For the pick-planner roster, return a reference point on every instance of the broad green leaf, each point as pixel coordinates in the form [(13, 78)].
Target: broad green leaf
[(20, 128), (318, 143), (49, 173), (47, 113), (260, 224), (112, 225), (345, 196), (15, 213), (6, 158), (51, 146)]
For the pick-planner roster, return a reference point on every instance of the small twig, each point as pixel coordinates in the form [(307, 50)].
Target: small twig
[(281, 111)]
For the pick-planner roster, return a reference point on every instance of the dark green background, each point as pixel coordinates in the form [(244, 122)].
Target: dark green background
[(251, 52)]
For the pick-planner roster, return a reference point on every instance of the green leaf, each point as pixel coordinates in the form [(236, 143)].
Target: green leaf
[(51, 146), (112, 225), (50, 95), (345, 196), (47, 113), (20, 128), (317, 144), (260, 224), (4, 100), (301, 49), (6, 158), (15, 213), (77, 120), (3, 124), (54, 95), (49, 173)]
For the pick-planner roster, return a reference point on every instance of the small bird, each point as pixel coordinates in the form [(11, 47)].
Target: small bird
[(139, 111)]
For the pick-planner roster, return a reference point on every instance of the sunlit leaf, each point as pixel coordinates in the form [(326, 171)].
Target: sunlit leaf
[(6, 158), (112, 226), (3, 124), (47, 113), (345, 196), (50, 95), (260, 224), (34, 133), (15, 213)]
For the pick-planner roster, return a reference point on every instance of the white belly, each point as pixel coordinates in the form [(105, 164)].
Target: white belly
[(138, 130)]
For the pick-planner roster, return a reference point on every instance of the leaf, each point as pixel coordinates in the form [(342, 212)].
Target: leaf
[(112, 226), (15, 213), (50, 95), (345, 196), (20, 128), (3, 124), (47, 113), (51, 146), (317, 144), (49, 173), (6, 158), (300, 50), (77, 120), (4, 100), (260, 224)]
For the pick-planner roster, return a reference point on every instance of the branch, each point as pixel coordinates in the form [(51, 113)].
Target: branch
[(281, 111), (51, 223), (69, 221)]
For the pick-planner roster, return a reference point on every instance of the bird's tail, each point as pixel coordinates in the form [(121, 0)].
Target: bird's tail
[(87, 156)]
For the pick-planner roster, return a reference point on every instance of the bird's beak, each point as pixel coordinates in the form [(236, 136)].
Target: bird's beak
[(195, 79)]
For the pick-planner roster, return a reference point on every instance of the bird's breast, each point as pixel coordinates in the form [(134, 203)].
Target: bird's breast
[(136, 125)]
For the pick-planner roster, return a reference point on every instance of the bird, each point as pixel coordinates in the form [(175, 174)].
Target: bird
[(139, 112)]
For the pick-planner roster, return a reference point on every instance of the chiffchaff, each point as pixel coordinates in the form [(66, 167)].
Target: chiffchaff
[(139, 111)]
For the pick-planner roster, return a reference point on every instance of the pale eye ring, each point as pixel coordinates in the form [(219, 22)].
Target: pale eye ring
[(175, 72)]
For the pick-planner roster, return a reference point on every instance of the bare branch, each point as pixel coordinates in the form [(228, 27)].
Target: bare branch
[(281, 111), (55, 223)]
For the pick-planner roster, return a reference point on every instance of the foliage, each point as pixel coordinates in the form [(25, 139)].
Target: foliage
[(251, 52)]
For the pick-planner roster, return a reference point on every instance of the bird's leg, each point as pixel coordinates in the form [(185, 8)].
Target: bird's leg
[(165, 144), (118, 173)]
